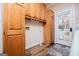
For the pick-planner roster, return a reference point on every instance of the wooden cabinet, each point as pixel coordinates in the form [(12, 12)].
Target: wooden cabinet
[(14, 19), (15, 29), (48, 27), (35, 11), (30, 9), (38, 15), (53, 28), (43, 11), (27, 9)]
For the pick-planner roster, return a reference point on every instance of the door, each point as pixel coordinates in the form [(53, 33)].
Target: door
[(63, 28), (14, 29)]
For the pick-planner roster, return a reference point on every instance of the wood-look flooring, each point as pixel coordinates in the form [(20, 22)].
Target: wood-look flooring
[(37, 50)]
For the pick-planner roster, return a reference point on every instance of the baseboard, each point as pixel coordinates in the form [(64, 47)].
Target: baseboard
[(33, 45)]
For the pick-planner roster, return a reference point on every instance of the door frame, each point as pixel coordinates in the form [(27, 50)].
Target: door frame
[(72, 11)]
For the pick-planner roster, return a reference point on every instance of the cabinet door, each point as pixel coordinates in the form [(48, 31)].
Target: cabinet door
[(33, 10), (48, 27), (15, 45), (14, 17), (38, 11), (15, 31), (27, 9), (43, 11)]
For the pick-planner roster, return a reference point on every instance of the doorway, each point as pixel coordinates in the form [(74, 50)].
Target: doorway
[(33, 33), (63, 28)]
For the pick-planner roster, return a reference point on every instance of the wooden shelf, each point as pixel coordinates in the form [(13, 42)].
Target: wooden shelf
[(35, 19)]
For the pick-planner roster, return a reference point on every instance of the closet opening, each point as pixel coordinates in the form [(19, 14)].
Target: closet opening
[(33, 33), (34, 36)]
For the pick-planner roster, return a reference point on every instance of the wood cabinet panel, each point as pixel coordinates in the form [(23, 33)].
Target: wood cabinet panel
[(43, 11), (38, 11), (14, 32), (53, 28), (27, 9), (14, 17), (49, 27), (15, 45), (33, 10)]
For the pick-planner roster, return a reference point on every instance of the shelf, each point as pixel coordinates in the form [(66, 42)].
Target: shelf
[(35, 19)]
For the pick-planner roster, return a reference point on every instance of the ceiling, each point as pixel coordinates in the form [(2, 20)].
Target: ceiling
[(50, 4)]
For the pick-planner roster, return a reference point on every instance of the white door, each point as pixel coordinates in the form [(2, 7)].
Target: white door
[(63, 28), (34, 34)]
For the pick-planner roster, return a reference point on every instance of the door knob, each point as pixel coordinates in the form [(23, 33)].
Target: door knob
[(70, 29)]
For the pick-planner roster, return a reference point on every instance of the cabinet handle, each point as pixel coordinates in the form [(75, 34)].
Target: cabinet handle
[(4, 33)]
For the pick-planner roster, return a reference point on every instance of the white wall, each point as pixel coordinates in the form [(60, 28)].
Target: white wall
[(75, 45), (1, 32), (61, 6), (34, 35), (77, 16)]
